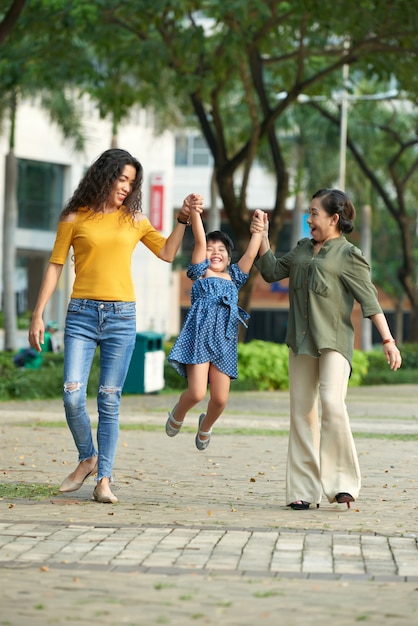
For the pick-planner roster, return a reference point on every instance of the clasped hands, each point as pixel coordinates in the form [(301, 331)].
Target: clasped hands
[(193, 201), (259, 222)]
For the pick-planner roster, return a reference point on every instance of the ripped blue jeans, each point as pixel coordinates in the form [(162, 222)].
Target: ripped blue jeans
[(111, 326)]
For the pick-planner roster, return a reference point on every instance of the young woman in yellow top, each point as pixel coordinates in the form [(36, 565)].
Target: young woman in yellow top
[(103, 223)]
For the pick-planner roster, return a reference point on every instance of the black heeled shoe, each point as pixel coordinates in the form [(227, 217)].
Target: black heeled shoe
[(301, 505), (344, 497)]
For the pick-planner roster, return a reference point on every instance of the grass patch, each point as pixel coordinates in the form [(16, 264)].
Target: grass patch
[(27, 491), (390, 436), (153, 428), (161, 586), (258, 432), (267, 594)]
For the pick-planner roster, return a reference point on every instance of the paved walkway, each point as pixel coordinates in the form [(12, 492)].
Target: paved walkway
[(206, 537)]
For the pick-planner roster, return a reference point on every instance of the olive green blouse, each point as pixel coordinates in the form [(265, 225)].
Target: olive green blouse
[(322, 290)]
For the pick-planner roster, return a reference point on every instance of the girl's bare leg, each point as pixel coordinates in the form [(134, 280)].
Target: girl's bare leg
[(219, 392), (197, 378)]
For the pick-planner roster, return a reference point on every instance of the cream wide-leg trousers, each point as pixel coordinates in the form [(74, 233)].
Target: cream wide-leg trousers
[(321, 456)]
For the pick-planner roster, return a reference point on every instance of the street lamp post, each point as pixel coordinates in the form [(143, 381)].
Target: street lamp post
[(343, 128)]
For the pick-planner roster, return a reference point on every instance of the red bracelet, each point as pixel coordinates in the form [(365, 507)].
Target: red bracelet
[(388, 341)]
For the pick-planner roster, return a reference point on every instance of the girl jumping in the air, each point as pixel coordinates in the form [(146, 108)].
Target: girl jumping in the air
[(207, 348)]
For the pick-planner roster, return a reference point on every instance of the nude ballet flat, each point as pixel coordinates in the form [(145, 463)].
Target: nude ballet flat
[(71, 485), (104, 496)]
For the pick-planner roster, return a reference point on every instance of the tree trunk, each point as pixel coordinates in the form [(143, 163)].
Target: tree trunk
[(10, 18), (9, 252), (399, 326), (366, 246), (214, 214), (413, 327), (297, 218)]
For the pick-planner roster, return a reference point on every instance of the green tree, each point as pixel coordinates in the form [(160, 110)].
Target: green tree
[(29, 66), (237, 67), (383, 142), (242, 65)]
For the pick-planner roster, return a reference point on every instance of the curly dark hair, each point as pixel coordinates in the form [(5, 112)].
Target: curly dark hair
[(96, 184), (334, 201)]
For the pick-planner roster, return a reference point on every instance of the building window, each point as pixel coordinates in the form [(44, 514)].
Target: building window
[(192, 151), (40, 194)]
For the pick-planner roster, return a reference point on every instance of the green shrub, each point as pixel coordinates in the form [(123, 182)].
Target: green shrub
[(359, 370), (409, 352), (263, 364), (45, 382), (172, 379), (30, 384), (379, 372)]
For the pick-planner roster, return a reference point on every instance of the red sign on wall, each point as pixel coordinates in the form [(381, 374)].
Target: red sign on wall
[(156, 212)]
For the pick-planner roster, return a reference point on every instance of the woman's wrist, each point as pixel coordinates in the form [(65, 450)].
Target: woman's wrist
[(389, 340), (184, 218), (265, 243)]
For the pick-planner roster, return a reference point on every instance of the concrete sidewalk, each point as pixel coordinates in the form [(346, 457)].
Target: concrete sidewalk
[(206, 537)]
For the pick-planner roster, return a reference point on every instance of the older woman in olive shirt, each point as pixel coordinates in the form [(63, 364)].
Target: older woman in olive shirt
[(326, 275)]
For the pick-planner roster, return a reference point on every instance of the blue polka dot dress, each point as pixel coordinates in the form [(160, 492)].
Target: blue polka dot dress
[(210, 330)]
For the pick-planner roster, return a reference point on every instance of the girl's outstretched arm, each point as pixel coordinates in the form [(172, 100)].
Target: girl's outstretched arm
[(246, 261), (199, 235), (191, 204)]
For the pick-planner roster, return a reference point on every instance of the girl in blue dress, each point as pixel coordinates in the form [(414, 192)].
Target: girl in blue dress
[(207, 348)]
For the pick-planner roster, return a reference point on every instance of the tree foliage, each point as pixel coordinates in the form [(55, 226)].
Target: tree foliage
[(238, 69), (383, 143), (33, 64), (244, 65)]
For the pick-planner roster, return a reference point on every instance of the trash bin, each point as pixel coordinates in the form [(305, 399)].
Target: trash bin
[(146, 370)]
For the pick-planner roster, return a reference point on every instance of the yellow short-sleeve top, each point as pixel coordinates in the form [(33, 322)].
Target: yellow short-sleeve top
[(103, 244)]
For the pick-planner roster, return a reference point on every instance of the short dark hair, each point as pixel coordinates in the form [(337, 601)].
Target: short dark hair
[(218, 235), (334, 201)]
